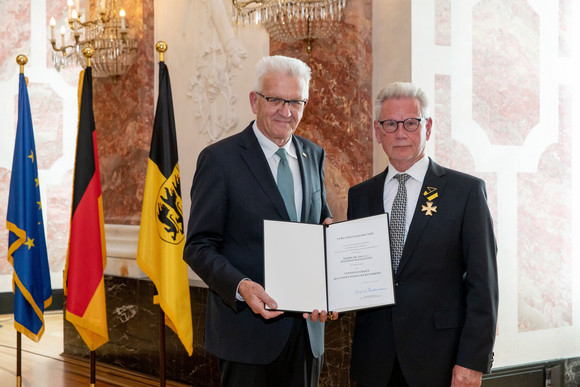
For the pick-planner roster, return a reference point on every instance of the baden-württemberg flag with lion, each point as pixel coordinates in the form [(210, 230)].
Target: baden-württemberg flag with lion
[(161, 236), (26, 242)]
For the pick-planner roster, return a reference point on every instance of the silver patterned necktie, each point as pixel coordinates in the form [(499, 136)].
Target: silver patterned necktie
[(286, 184), (398, 220)]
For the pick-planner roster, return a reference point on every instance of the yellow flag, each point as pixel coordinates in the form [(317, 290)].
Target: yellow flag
[(161, 236)]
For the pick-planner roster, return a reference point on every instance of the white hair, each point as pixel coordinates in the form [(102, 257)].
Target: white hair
[(286, 65), (397, 90)]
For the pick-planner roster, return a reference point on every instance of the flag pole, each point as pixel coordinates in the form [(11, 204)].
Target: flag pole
[(93, 369), (161, 347), (88, 53), (161, 47), (18, 359), (21, 60)]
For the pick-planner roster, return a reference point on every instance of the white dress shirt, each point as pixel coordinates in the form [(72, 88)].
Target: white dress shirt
[(269, 148), (414, 184)]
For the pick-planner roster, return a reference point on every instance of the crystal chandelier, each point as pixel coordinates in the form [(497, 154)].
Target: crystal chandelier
[(289, 21), (108, 34)]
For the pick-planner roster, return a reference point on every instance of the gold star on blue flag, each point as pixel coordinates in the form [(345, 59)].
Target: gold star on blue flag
[(26, 240)]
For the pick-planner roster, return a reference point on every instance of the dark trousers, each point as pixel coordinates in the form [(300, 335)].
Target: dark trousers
[(397, 379), (294, 367)]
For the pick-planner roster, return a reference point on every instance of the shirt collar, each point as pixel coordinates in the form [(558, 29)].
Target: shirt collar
[(269, 147), (417, 170)]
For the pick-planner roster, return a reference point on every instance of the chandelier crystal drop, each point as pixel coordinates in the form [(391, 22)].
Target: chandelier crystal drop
[(108, 34), (290, 21)]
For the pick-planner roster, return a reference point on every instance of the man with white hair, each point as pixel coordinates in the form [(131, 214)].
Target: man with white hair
[(264, 172), (441, 330)]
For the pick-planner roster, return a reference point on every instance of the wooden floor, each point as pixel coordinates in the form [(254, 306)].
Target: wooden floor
[(43, 363)]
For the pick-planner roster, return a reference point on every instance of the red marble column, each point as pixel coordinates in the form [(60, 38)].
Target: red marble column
[(124, 113), (339, 112)]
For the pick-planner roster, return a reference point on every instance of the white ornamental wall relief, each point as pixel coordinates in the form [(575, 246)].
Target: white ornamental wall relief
[(216, 62)]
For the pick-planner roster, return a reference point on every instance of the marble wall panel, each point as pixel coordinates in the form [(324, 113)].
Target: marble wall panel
[(443, 22), (565, 11), (134, 335), (124, 112), (504, 93), (53, 102), (451, 153), (545, 229), (339, 112), (506, 75), (14, 34)]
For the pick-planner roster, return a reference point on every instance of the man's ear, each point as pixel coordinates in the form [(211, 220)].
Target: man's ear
[(377, 127), (428, 125), (254, 102)]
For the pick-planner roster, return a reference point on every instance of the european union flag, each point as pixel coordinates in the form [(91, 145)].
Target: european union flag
[(26, 242)]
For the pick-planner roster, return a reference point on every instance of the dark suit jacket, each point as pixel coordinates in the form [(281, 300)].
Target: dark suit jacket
[(446, 289), (233, 191)]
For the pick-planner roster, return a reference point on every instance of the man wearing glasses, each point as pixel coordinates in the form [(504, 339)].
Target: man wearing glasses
[(264, 172), (441, 330)]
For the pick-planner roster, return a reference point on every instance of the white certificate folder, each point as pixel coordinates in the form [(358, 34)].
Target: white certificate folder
[(342, 267)]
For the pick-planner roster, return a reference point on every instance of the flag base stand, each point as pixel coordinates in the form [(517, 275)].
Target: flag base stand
[(161, 348)]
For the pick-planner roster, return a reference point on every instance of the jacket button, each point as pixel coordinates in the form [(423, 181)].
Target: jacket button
[(396, 283)]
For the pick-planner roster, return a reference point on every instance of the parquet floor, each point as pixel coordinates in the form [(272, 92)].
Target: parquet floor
[(43, 363)]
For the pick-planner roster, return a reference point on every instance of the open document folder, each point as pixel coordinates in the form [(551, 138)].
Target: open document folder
[(342, 267)]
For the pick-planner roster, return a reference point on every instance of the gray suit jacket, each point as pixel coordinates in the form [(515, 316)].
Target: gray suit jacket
[(233, 191), (446, 287)]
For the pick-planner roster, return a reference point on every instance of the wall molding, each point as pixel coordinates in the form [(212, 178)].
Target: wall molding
[(122, 241)]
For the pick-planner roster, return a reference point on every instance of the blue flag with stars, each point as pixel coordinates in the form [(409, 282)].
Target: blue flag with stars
[(26, 242)]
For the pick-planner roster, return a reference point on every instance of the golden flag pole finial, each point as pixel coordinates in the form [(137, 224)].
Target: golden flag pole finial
[(21, 60), (161, 47), (88, 53)]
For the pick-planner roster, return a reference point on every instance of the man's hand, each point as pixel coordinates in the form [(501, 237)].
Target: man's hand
[(320, 316), (327, 221), (464, 377), (256, 297)]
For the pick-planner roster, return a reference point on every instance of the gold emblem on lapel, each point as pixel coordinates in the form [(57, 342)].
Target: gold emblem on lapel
[(304, 154), (429, 209), (431, 193)]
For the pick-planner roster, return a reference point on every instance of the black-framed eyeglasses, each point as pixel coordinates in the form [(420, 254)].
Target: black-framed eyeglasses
[(410, 124), (279, 102)]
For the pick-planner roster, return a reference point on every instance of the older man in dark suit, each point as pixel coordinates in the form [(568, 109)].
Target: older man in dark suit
[(264, 172), (441, 331)]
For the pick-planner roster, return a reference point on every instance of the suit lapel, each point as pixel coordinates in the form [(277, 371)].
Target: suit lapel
[(307, 168), (433, 179), (253, 155), (376, 200)]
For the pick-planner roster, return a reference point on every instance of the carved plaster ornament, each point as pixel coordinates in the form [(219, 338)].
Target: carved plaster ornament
[(215, 64)]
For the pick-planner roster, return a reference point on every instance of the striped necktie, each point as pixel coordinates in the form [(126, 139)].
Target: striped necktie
[(398, 220)]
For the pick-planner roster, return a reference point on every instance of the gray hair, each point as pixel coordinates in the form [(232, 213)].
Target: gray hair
[(397, 90), (286, 65)]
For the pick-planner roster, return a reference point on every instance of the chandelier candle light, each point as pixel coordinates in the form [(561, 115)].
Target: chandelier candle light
[(289, 21), (108, 34)]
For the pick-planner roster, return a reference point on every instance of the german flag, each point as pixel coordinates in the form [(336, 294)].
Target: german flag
[(161, 236), (83, 277)]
